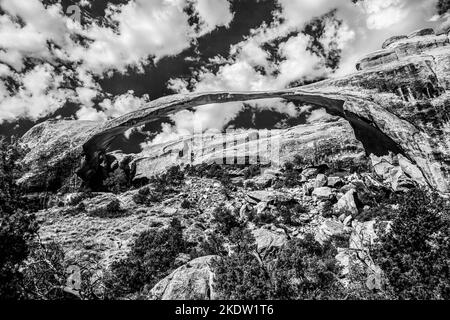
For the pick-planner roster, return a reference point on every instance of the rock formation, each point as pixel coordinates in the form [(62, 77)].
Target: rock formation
[(397, 102)]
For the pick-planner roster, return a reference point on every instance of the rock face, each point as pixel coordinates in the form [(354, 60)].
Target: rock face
[(192, 281), (268, 240), (54, 142), (397, 102), (334, 137)]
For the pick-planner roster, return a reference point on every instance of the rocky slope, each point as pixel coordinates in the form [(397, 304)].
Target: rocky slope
[(88, 235)]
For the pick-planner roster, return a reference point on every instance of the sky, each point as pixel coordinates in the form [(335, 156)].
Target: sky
[(119, 55)]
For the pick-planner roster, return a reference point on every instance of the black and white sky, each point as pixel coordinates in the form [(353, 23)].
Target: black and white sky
[(124, 53)]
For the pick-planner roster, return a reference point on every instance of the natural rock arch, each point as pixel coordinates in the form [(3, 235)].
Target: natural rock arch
[(399, 104), (367, 118)]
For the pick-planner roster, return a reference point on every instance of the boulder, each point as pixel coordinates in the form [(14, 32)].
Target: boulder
[(192, 281), (243, 212), (411, 170), (323, 193), (310, 173), (321, 181), (329, 229), (267, 240), (265, 196), (169, 211), (334, 182), (348, 220), (261, 207), (347, 203), (391, 169)]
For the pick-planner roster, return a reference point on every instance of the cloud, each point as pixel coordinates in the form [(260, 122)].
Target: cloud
[(384, 13), (136, 33), (111, 107), (251, 67), (39, 94), (213, 13)]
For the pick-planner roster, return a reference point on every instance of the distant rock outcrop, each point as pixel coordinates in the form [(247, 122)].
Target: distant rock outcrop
[(397, 102)]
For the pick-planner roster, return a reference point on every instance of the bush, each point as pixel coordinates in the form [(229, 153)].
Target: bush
[(45, 273), (225, 219), (17, 227), (252, 171), (415, 254), (185, 204), (112, 210), (117, 181), (147, 197), (210, 171), (166, 182), (289, 210), (151, 258), (212, 245), (292, 175), (304, 269)]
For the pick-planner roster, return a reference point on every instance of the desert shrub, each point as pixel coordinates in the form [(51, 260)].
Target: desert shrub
[(210, 171), (292, 175), (327, 209), (146, 196), (117, 181), (350, 165), (225, 220), (288, 211), (112, 210), (151, 258), (303, 269), (306, 269), (120, 179), (265, 217), (212, 245), (415, 254), (17, 227), (173, 177), (241, 277), (45, 273), (252, 171), (186, 204)]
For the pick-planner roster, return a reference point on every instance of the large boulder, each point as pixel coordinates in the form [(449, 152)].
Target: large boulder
[(347, 203), (321, 181), (323, 193), (330, 229), (268, 240), (192, 281), (397, 171), (266, 196)]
